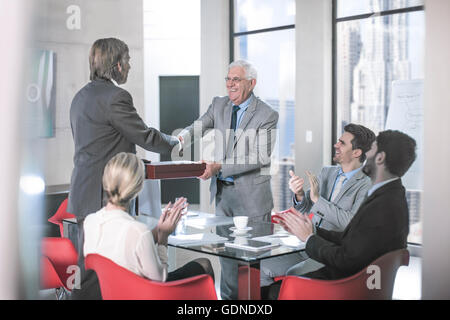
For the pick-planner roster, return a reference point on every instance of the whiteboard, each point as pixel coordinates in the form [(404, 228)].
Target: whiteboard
[(405, 114)]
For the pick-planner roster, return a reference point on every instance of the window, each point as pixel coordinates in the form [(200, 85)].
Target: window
[(378, 77), (263, 32)]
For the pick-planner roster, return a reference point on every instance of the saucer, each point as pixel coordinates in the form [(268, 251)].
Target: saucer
[(243, 235), (243, 230)]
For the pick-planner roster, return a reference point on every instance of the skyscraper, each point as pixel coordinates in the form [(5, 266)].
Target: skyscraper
[(380, 46), (384, 58), (349, 51), (282, 195)]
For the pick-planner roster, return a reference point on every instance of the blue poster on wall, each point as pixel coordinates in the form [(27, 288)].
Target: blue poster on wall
[(40, 92)]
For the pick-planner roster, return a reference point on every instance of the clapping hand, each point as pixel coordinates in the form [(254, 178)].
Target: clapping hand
[(314, 187), (296, 223), (169, 219), (296, 185)]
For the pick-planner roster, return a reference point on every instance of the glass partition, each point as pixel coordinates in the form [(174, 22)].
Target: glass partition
[(379, 70)]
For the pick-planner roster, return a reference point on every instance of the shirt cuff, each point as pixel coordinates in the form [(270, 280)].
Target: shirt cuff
[(306, 240), (162, 253), (296, 203), (180, 143)]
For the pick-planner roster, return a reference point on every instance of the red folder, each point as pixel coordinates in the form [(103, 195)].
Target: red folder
[(174, 169)]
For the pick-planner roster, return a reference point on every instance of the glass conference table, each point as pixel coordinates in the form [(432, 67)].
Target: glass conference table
[(214, 235)]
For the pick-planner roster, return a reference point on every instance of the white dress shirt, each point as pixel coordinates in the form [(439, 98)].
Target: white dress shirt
[(117, 236)]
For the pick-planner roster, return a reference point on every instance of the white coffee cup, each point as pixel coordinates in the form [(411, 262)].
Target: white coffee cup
[(240, 222)]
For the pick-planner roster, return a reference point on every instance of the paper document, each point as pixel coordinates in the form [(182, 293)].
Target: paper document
[(287, 240), (195, 239), (202, 223)]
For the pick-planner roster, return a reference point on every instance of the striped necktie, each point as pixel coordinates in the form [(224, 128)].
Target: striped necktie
[(338, 187)]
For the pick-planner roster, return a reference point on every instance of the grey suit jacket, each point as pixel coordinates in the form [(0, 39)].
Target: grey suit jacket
[(104, 122), (245, 156), (336, 215)]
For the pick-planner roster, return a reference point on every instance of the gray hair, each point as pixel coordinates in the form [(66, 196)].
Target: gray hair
[(123, 178), (250, 70)]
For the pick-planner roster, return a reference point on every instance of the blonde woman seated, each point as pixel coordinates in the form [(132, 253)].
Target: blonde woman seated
[(114, 234)]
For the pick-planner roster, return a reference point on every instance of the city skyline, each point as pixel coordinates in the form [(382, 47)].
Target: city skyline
[(372, 54)]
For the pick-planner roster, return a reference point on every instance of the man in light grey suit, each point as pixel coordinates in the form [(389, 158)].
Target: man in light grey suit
[(334, 197), (244, 128), (104, 122)]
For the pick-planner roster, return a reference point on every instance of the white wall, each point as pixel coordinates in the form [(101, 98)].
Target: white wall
[(171, 48), (436, 202), (215, 59), (313, 27)]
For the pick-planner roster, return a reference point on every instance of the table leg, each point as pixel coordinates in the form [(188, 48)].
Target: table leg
[(249, 281)]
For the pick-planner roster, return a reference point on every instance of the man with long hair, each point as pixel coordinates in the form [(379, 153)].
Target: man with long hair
[(104, 122)]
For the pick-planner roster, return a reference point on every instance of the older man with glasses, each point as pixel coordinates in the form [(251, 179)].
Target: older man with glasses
[(244, 128)]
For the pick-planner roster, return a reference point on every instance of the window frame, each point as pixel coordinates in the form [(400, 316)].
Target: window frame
[(234, 34), (415, 247), (336, 20)]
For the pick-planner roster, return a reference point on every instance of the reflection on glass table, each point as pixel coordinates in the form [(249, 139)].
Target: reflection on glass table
[(212, 235), (207, 233)]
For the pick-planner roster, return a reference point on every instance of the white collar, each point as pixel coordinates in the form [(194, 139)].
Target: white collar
[(114, 81), (379, 185)]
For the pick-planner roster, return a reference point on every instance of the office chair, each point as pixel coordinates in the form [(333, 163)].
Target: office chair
[(118, 283), (255, 289), (58, 264), (60, 215), (49, 277), (355, 287)]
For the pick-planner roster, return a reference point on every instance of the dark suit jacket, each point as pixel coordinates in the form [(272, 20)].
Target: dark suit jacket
[(381, 225), (104, 122)]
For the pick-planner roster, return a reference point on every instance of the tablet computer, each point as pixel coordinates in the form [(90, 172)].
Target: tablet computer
[(251, 245)]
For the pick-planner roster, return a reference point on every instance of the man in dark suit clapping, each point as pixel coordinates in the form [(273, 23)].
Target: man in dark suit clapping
[(381, 224)]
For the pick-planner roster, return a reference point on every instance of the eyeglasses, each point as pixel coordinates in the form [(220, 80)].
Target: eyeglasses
[(234, 80)]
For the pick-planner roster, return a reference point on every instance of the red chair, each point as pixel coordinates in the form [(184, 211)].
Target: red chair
[(355, 287), (60, 215), (243, 284), (118, 283), (58, 255), (49, 277)]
